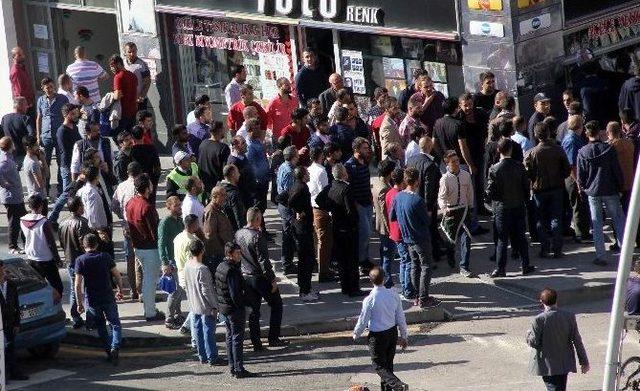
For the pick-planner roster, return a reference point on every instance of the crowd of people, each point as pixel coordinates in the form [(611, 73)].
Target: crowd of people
[(442, 163)]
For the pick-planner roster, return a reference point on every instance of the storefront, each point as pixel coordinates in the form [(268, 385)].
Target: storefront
[(371, 43)]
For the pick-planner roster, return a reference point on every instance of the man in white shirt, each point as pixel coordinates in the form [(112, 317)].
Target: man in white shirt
[(202, 100), (232, 91), (86, 73), (318, 180), (383, 315), (248, 113), (94, 208), (191, 204), (65, 87)]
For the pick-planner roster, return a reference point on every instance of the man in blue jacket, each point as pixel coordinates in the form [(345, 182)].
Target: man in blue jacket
[(410, 211), (600, 177), (630, 93), (310, 80)]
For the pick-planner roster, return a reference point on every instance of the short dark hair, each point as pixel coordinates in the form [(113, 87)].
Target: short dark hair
[(299, 114), (416, 133), (309, 49), (575, 108), (411, 176), (235, 69), (505, 128), (74, 203), (245, 88), (379, 91), (419, 72), (331, 147), (449, 154), (505, 146), (196, 247), (45, 81), (116, 59), (315, 153), (549, 297), (191, 182), (487, 75), (342, 114), (92, 174), (320, 120), (90, 240), (216, 127), (313, 102), (202, 100), (88, 155), (35, 202), (191, 219), (450, 105), (386, 167), (142, 115), (142, 183), (29, 141), (122, 135), (67, 108), (82, 91), (134, 169), (177, 129), (397, 176), (300, 172), (541, 131), (228, 169), (592, 128), (358, 142), (627, 115), (230, 247), (289, 153)]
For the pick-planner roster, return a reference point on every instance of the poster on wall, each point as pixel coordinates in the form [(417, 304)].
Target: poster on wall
[(353, 71), (395, 86), (393, 68), (138, 16), (40, 31), (486, 5), (43, 62), (410, 66), (252, 65), (437, 71), (272, 67)]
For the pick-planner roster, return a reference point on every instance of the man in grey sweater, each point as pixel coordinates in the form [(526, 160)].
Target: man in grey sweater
[(202, 300)]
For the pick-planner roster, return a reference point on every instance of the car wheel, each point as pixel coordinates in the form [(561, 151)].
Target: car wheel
[(48, 350)]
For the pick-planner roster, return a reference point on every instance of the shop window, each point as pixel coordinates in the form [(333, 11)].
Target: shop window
[(389, 62)]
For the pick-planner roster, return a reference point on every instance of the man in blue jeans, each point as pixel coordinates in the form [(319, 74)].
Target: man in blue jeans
[(49, 119), (66, 137), (547, 166), (284, 181), (388, 247), (600, 178), (96, 270)]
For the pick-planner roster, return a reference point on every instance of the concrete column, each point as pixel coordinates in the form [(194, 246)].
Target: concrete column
[(8, 40)]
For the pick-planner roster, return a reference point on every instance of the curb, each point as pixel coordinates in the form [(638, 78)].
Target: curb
[(91, 339), (575, 295)]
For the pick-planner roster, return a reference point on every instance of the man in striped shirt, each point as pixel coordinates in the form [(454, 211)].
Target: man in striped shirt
[(86, 73)]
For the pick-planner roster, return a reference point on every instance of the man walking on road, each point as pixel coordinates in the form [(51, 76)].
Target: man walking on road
[(555, 337), (383, 315)]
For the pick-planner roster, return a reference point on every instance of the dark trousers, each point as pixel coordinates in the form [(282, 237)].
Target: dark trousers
[(260, 288), (510, 224), (382, 346), (555, 382), (235, 323), (420, 254), (49, 271), (345, 245), (288, 240), (580, 209), (304, 246), (10, 361), (260, 200), (14, 213), (532, 218), (549, 206)]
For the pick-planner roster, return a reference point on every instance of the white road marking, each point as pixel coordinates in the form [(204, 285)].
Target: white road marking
[(39, 378)]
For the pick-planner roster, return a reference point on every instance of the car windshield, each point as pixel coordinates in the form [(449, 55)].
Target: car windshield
[(25, 277)]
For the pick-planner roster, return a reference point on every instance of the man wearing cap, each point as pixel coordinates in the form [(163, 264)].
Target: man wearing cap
[(66, 137), (177, 178), (542, 105)]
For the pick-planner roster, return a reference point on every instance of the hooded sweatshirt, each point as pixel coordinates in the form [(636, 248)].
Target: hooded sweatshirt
[(40, 245), (599, 172), (630, 95)]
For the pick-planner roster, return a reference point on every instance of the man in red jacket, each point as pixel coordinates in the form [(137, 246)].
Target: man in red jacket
[(21, 83), (143, 220)]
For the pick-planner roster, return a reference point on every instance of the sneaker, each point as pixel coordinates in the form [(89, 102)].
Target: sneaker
[(497, 273), (600, 262), (158, 316), (16, 251), (184, 330), (466, 273), (614, 247), (218, 362), (244, 374), (309, 297), (115, 356), (78, 324), (430, 303), (278, 343), (528, 270)]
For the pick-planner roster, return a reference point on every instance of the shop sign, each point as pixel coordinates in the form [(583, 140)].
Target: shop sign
[(486, 5), (217, 34), (487, 29), (604, 33), (537, 23), (325, 9)]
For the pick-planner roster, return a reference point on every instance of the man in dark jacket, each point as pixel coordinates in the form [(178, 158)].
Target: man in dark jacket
[(299, 203), (407, 93), (329, 96), (123, 157), (212, 156), (238, 158), (231, 295), (72, 231), (630, 94), (429, 174), (547, 166), (508, 189), (234, 207), (260, 279), (11, 324), (310, 81), (600, 177), (344, 214)]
